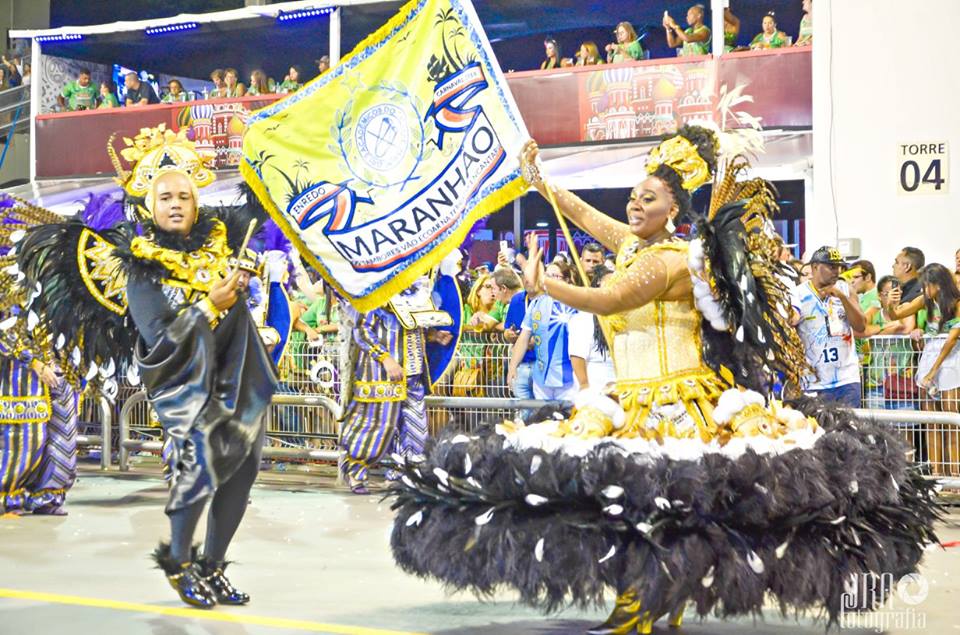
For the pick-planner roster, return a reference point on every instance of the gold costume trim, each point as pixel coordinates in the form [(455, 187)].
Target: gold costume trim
[(379, 391), (197, 270), (102, 272), (22, 410)]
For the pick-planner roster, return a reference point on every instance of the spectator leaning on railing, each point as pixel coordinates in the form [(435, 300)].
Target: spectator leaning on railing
[(906, 267), (627, 47), (827, 314), (483, 311), (546, 324), (139, 93), (731, 30), (219, 85), (805, 37), (260, 84), (552, 52), (323, 64), (938, 372), (588, 55), (175, 93), (506, 284), (770, 37), (695, 39), (232, 86), (80, 94), (291, 83), (108, 95), (939, 367), (890, 360)]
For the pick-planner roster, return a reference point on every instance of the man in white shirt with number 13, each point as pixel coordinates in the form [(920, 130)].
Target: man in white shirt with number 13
[(827, 316)]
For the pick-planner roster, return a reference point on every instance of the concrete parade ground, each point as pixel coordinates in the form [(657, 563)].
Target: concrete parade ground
[(315, 559)]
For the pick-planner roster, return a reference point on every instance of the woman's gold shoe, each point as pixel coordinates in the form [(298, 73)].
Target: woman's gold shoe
[(676, 617), (623, 620)]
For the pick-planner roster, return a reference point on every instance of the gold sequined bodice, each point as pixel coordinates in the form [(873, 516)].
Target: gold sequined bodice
[(658, 340), (657, 352)]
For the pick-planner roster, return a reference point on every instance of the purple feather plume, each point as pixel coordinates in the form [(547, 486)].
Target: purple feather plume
[(102, 211)]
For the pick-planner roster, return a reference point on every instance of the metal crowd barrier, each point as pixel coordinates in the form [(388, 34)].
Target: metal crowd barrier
[(304, 418), (479, 368), (905, 420), (101, 412), (891, 366), (310, 440), (139, 432)]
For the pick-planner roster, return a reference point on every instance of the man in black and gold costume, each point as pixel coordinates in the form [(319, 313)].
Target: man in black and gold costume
[(207, 374)]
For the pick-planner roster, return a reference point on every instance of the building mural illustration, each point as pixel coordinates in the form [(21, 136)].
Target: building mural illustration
[(629, 102)]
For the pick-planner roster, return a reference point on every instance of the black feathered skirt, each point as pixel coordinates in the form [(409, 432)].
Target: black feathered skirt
[(722, 530)]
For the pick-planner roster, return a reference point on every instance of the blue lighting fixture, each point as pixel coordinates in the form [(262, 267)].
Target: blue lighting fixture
[(171, 28), (299, 14), (64, 37)]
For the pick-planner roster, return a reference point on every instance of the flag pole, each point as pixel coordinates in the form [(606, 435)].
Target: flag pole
[(604, 326)]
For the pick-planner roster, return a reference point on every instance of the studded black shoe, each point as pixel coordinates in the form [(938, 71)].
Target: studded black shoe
[(218, 583), (185, 579)]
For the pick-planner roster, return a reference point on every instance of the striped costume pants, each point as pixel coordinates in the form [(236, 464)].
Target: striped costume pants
[(373, 429), (38, 463)]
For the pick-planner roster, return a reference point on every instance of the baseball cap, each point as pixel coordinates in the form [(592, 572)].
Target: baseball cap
[(827, 256)]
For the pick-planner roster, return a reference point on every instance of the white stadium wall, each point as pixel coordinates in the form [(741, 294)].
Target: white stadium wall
[(884, 77)]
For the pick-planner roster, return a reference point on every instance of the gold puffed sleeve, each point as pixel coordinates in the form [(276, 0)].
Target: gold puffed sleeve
[(648, 277)]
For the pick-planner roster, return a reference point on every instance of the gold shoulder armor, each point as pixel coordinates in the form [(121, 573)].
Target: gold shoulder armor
[(101, 271)]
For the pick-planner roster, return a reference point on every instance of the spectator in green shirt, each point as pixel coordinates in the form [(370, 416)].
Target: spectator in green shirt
[(888, 357), (483, 312), (232, 84), (771, 37), (552, 52), (627, 47), (862, 277), (291, 83), (219, 85), (260, 84), (175, 93), (108, 95), (79, 94), (695, 39)]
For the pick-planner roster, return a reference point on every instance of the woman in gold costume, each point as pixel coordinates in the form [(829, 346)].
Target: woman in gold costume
[(684, 483), (652, 320)]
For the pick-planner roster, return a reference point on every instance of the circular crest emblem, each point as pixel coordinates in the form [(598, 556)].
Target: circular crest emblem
[(382, 136), (382, 145)]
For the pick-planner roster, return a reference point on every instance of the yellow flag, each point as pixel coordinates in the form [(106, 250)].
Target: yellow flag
[(379, 167)]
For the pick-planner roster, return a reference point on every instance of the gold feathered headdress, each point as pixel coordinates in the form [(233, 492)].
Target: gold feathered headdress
[(682, 156), (153, 152)]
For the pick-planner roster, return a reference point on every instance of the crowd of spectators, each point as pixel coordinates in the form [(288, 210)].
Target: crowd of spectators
[(871, 340), (82, 94), (691, 38)]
